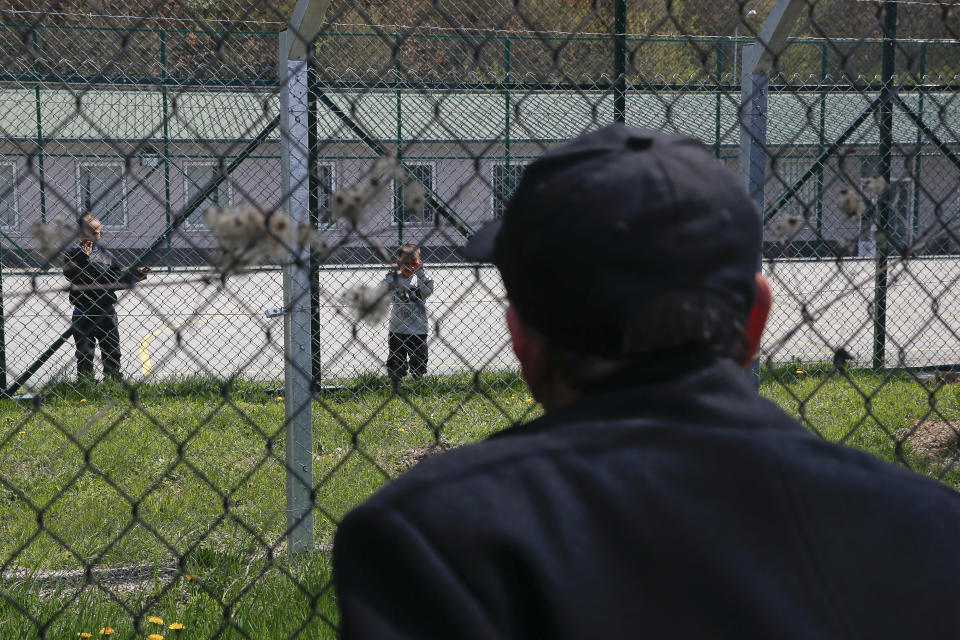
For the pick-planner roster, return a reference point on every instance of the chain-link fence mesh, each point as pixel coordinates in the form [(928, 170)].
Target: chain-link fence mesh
[(253, 403)]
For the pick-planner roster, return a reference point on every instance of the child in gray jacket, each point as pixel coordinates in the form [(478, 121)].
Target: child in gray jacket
[(410, 287)]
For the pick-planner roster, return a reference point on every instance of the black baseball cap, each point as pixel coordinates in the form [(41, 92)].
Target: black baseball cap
[(628, 241)]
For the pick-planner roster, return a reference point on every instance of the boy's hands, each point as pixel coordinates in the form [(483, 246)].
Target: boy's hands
[(408, 268)]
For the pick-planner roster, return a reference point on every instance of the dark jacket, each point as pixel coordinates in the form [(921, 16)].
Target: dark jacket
[(94, 269), (684, 508)]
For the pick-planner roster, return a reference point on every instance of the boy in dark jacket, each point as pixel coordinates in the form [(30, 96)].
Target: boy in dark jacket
[(94, 307)]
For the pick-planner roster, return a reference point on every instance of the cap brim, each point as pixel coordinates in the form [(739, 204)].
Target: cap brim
[(479, 247)]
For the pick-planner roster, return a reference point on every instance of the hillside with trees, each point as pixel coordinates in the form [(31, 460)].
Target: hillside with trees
[(685, 42)]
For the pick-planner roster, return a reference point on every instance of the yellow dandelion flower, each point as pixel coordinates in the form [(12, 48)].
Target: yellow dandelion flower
[(106, 631), (154, 636), (529, 400), (155, 619), (23, 433), (401, 430), (69, 554), (176, 626), (249, 484), (84, 634), (83, 399), (799, 370), (279, 397)]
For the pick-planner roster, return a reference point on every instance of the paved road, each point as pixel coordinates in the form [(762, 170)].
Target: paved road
[(195, 328), (922, 317)]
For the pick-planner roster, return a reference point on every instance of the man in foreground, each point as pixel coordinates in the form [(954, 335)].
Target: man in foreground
[(660, 495)]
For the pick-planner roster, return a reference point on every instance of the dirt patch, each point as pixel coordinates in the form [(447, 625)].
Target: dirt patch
[(410, 458), (246, 463), (118, 579), (936, 439)]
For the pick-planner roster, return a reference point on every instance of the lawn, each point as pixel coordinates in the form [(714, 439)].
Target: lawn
[(201, 466)]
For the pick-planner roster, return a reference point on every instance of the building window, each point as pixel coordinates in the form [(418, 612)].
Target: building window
[(901, 214), (324, 191), (196, 177), (505, 181), (101, 192), (424, 174), (8, 195), (786, 171)]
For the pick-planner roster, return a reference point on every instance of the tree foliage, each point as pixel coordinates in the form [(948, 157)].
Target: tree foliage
[(571, 41)]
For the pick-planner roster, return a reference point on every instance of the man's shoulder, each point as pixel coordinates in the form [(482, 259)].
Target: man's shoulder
[(469, 465), (557, 457), (815, 463), (523, 454)]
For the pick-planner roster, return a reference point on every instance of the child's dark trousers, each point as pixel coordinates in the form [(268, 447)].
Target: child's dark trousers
[(407, 351)]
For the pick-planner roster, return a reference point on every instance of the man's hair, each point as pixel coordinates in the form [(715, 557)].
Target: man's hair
[(579, 370), (407, 250), (85, 226)]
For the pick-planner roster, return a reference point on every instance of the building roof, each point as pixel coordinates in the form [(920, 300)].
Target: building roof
[(794, 119)]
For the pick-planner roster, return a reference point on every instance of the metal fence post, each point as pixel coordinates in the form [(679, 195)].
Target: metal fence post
[(883, 201), (296, 46), (398, 198), (918, 158), (753, 155), (757, 61), (821, 143), (718, 107), (620, 61), (166, 144), (36, 92), (3, 336), (753, 135), (315, 187), (508, 189), (297, 340)]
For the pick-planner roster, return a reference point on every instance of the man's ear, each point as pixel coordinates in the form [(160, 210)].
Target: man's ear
[(758, 320), (526, 344), (530, 351)]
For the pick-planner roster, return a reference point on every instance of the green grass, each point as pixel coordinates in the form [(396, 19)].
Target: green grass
[(872, 411), (202, 466)]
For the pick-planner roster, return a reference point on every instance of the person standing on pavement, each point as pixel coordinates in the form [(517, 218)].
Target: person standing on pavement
[(94, 278), (410, 287)]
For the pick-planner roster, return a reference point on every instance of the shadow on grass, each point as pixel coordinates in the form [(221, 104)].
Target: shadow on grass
[(456, 384), (212, 389)]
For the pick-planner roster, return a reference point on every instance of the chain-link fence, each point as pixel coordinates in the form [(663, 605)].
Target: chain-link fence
[(248, 402)]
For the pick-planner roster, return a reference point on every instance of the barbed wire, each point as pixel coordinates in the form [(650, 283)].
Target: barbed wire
[(943, 5), (467, 29), (109, 16)]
